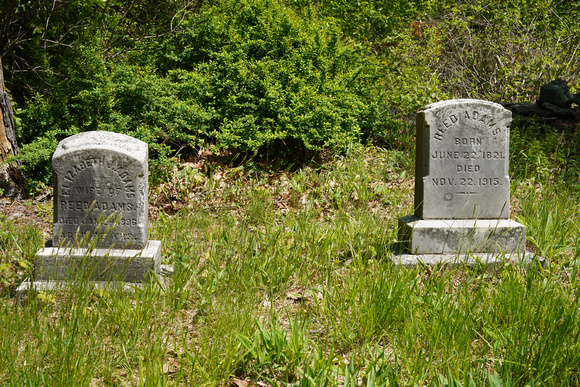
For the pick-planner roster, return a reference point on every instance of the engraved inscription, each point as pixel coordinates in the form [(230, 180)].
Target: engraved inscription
[(465, 181), (468, 155), (68, 220), (468, 141), (445, 155), (99, 206), (115, 165), (462, 150), (94, 221), (101, 189), (472, 116), (126, 237), (468, 168)]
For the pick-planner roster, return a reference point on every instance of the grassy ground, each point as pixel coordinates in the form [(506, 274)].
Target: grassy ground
[(281, 278)]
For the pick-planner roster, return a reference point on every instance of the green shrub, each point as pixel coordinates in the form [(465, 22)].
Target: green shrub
[(263, 77), (374, 21), (499, 51), (246, 75), (504, 51)]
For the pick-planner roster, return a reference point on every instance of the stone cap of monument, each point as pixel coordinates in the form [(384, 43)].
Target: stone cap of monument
[(462, 160)]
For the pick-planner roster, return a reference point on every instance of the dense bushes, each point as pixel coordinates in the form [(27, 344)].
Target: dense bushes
[(262, 76), (504, 51), (495, 50), (250, 76), (373, 21), (281, 76)]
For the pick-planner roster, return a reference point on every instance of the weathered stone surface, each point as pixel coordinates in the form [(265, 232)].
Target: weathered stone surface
[(128, 265), (165, 271), (557, 93), (99, 174), (462, 161), (475, 259), (462, 188), (101, 197), (461, 236)]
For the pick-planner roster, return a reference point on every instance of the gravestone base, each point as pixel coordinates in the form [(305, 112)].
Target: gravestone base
[(461, 236), (403, 258), (461, 241), (60, 268), (126, 265)]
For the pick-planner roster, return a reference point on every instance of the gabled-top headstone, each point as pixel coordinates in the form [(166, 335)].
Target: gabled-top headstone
[(462, 161), (98, 174)]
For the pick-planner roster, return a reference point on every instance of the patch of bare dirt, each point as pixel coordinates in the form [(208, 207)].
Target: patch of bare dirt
[(33, 212)]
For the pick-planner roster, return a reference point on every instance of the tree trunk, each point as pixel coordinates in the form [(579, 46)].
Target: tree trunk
[(11, 177)]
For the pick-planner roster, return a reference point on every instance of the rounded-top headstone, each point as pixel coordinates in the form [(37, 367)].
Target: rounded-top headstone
[(99, 174), (462, 161)]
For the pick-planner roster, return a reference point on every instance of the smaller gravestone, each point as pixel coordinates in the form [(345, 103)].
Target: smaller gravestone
[(100, 211), (100, 189), (462, 187)]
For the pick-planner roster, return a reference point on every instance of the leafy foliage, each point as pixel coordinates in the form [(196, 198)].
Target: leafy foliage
[(268, 77), (500, 51), (276, 78), (38, 38), (506, 50), (373, 21), (245, 75)]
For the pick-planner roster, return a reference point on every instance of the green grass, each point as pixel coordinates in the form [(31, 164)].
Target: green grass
[(282, 278)]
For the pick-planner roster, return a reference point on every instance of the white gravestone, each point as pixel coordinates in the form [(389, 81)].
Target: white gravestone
[(462, 187), (462, 161), (98, 174), (100, 211)]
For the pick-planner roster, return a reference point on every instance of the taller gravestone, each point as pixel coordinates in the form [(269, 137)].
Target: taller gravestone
[(462, 161), (462, 187), (100, 212)]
